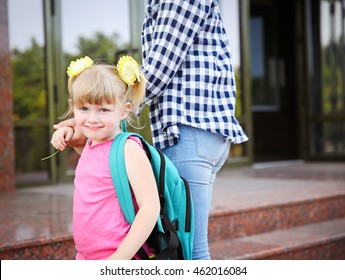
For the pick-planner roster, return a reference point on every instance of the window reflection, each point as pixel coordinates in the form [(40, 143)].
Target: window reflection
[(25, 23), (86, 22), (27, 45), (31, 146), (265, 64), (329, 138), (26, 34), (332, 58), (231, 18), (329, 135)]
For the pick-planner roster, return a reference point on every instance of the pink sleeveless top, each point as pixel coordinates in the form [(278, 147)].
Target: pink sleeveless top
[(99, 225)]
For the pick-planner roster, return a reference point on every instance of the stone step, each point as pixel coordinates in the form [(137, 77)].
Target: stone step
[(257, 214), (301, 229), (323, 240), (317, 241), (228, 224), (53, 248)]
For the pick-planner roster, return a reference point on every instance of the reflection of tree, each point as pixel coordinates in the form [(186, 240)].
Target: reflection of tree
[(99, 46), (29, 105), (239, 104), (333, 95), (28, 83)]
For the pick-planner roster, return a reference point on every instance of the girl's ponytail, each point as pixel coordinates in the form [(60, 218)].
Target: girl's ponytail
[(129, 72), (137, 93)]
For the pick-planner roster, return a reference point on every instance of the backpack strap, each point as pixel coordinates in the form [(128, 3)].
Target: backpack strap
[(123, 125), (119, 175)]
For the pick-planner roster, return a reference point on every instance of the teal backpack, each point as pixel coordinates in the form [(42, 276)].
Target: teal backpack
[(172, 236)]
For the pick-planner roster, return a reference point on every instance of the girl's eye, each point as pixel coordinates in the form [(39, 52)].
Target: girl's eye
[(104, 110), (83, 108)]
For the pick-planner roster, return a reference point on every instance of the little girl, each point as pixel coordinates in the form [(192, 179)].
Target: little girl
[(101, 96)]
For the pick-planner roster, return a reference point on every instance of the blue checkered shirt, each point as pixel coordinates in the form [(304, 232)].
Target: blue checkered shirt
[(187, 64)]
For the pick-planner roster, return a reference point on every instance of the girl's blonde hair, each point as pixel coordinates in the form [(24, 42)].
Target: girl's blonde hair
[(101, 83)]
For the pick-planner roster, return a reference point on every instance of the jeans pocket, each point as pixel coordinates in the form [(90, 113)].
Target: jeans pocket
[(210, 146)]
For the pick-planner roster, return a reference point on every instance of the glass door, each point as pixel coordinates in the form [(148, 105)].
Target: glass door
[(30, 112), (326, 85), (273, 80)]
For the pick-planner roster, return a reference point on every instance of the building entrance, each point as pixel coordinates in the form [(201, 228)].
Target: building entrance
[(273, 84)]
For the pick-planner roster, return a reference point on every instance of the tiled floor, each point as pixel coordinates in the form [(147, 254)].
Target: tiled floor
[(37, 215)]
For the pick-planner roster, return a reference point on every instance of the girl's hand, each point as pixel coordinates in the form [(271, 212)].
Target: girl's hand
[(78, 140), (61, 137)]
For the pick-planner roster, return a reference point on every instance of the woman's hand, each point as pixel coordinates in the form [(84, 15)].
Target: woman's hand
[(69, 122)]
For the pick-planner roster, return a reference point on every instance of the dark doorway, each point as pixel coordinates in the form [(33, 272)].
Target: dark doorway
[(274, 95)]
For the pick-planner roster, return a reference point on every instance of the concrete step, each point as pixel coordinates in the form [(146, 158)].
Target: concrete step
[(317, 241)]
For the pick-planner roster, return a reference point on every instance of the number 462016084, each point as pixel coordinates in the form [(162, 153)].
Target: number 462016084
[(209, 270)]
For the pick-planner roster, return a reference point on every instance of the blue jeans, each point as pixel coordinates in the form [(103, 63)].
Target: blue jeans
[(198, 156)]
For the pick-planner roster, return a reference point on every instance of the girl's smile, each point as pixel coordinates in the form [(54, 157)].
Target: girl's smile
[(93, 127)]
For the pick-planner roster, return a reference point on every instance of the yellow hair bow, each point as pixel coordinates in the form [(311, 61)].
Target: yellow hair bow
[(79, 65), (128, 70)]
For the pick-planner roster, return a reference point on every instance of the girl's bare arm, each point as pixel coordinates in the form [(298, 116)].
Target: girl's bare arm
[(144, 187)]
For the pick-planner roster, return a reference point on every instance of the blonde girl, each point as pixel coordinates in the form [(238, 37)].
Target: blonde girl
[(101, 96)]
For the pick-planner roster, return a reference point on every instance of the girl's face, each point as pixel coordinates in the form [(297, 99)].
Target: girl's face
[(100, 123)]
